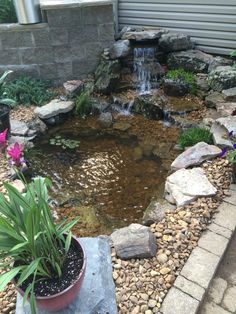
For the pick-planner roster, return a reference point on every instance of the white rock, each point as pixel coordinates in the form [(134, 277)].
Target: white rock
[(195, 155), (185, 186), (19, 128), (221, 128), (53, 108)]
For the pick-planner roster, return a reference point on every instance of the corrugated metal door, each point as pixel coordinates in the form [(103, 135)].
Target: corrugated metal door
[(211, 23)]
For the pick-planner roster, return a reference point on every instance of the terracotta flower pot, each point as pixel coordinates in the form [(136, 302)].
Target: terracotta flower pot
[(61, 300), (4, 117)]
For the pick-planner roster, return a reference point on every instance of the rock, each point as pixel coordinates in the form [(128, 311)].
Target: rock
[(202, 82), (122, 126), (190, 60), (38, 126), (138, 153), (219, 61), (195, 156), (105, 119), (162, 150), (19, 128), (155, 212), (229, 94), (212, 99), (226, 109), (135, 241), (107, 76), (145, 35), (223, 77), (178, 105), (175, 88), (220, 130), (99, 105), (97, 293), (165, 270), (150, 107), (162, 258), (175, 42), (54, 108), (119, 49), (184, 186), (74, 87)]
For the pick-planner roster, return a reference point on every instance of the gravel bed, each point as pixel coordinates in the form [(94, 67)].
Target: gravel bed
[(141, 285)]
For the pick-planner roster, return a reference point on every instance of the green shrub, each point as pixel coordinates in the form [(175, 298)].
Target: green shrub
[(183, 76), (28, 91), (193, 136), (7, 12), (83, 104), (233, 55)]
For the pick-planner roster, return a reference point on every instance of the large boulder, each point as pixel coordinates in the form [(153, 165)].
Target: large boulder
[(226, 109), (54, 108), (223, 77), (195, 156), (190, 60), (119, 49), (229, 94), (219, 61), (221, 129), (213, 99), (144, 35), (107, 76), (175, 42), (134, 241), (186, 185)]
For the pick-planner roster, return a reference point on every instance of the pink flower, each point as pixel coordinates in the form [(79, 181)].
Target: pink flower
[(3, 139), (16, 154)]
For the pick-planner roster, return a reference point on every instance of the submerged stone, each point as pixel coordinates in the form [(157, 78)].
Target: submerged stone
[(135, 241), (190, 60), (122, 126), (195, 156), (105, 119), (97, 294), (186, 185)]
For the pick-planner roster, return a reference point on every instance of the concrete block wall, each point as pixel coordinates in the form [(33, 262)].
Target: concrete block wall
[(67, 46)]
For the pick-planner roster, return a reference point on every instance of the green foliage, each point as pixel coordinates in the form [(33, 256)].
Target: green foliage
[(29, 236), (233, 55), (83, 104), (193, 136), (231, 156), (183, 76), (3, 84), (64, 143), (7, 12), (28, 91)]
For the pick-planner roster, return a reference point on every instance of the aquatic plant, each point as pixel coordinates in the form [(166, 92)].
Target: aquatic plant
[(64, 143), (183, 76), (193, 136), (83, 104)]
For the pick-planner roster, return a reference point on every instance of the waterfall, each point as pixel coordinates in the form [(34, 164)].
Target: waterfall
[(144, 59)]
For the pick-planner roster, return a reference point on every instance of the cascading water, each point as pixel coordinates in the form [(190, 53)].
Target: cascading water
[(146, 68)]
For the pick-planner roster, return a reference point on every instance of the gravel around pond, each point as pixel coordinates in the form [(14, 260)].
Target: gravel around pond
[(141, 285)]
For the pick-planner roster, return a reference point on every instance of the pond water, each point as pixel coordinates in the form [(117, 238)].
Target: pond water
[(111, 177)]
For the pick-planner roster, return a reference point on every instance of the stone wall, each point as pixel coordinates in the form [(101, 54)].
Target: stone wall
[(67, 46)]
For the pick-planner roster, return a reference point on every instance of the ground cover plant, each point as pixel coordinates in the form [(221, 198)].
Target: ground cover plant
[(7, 12), (83, 104), (183, 76), (193, 136), (28, 91)]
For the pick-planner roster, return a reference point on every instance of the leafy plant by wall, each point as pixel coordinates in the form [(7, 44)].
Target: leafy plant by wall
[(28, 91), (7, 12)]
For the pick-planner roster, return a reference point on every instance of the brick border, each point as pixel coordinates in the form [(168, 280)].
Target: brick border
[(191, 285)]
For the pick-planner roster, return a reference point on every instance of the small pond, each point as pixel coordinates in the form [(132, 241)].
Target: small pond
[(112, 176)]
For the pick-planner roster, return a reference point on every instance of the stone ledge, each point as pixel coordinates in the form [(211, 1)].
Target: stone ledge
[(190, 286), (15, 27), (66, 4)]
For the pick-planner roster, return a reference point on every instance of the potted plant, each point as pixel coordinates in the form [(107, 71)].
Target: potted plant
[(41, 257), (5, 104)]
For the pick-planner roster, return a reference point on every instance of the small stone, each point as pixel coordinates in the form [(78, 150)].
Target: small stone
[(152, 303), (165, 270), (162, 258)]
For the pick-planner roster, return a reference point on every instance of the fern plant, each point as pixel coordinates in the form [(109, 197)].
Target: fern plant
[(7, 12)]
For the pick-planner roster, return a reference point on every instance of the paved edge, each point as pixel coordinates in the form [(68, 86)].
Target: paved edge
[(195, 277)]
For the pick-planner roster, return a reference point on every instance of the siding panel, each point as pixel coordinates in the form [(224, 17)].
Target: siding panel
[(210, 23)]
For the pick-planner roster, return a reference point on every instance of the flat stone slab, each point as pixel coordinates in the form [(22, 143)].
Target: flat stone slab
[(189, 287), (145, 35), (178, 302), (97, 294), (55, 107), (213, 243), (19, 128), (195, 156), (186, 185), (200, 267), (226, 217)]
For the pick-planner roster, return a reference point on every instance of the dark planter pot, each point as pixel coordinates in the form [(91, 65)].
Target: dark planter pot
[(61, 300), (234, 173), (4, 117)]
